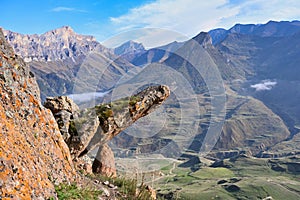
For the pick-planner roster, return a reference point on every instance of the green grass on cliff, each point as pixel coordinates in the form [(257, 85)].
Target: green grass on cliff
[(68, 192), (126, 189)]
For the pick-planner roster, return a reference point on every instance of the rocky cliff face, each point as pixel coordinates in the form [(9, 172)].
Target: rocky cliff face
[(33, 153)]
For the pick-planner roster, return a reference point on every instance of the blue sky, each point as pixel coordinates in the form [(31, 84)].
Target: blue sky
[(106, 18), (84, 16)]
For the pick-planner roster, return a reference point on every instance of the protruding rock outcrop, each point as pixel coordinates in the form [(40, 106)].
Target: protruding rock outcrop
[(33, 153), (95, 126), (64, 111)]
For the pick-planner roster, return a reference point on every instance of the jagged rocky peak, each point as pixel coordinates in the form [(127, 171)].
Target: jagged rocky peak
[(58, 44), (129, 47), (204, 39), (63, 30), (67, 33)]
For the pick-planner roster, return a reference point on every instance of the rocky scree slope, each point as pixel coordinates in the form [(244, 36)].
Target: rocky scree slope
[(33, 154)]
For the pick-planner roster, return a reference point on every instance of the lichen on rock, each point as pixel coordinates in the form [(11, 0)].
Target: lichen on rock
[(33, 154)]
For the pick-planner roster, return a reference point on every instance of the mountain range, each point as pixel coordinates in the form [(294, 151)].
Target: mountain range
[(58, 56), (229, 128), (258, 65)]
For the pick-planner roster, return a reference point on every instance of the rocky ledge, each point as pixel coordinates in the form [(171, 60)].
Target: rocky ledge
[(94, 127)]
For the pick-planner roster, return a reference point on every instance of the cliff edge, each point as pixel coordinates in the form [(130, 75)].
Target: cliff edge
[(33, 154)]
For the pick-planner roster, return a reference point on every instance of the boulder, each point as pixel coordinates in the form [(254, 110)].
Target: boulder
[(84, 165), (64, 111), (104, 162), (63, 118), (57, 104), (120, 114)]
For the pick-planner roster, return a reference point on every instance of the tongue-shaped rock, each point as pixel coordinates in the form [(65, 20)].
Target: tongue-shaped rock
[(95, 126)]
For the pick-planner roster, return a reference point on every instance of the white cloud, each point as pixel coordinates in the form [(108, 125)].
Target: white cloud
[(84, 97), (189, 17), (264, 85), (66, 9), (261, 11)]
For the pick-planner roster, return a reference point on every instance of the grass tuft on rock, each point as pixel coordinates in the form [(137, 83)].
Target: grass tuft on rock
[(68, 192)]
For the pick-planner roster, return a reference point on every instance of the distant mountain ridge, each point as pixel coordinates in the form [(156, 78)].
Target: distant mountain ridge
[(66, 62), (270, 29), (246, 55), (129, 50), (129, 47), (157, 54), (267, 52), (59, 44)]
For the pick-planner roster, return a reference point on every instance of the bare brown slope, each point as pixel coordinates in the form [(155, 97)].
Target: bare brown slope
[(250, 125)]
